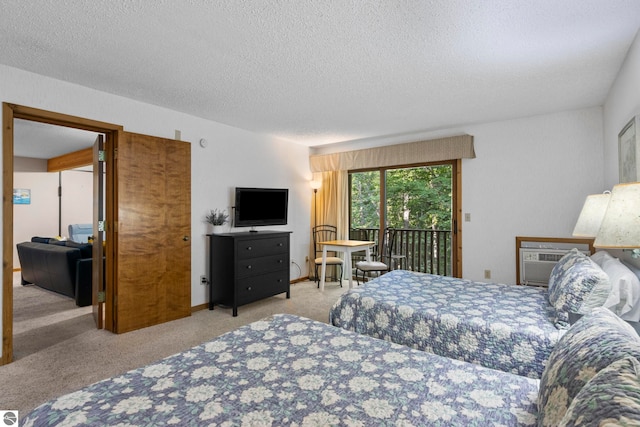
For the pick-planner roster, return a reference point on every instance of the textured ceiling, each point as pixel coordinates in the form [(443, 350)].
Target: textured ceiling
[(318, 72), (44, 141)]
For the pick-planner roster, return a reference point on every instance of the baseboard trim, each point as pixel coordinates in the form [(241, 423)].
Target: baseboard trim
[(199, 307), (206, 304)]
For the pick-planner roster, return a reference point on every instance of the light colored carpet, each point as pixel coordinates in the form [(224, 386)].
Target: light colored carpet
[(58, 350)]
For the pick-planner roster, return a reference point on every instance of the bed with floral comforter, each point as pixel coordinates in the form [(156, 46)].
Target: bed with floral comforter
[(505, 327), (291, 371)]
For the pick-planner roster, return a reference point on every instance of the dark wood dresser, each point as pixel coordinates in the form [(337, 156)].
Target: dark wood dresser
[(247, 266)]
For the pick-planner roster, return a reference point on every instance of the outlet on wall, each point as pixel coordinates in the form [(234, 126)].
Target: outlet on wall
[(487, 274), (203, 280)]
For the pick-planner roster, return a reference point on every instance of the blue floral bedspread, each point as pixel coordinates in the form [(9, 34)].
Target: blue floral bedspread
[(290, 371), (505, 327)]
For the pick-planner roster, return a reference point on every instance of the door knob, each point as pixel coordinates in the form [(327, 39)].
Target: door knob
[(185, 238)]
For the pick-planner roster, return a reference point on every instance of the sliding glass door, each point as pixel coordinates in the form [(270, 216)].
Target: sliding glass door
[(417, 203)]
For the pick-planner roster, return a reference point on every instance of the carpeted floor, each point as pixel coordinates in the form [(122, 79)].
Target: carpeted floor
[(58, 350)]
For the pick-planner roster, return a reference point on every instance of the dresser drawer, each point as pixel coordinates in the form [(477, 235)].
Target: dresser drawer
[(257, 287), (254, 248), (255, 266)]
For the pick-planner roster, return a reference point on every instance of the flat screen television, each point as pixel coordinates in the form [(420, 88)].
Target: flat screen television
[(261, 206)]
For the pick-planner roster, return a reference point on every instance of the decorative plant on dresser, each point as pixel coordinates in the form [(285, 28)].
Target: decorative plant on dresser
[(217, 219), (248, 266)]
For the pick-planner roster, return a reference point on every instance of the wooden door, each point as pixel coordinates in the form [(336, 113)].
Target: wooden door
[(97, 267), (152, 210)]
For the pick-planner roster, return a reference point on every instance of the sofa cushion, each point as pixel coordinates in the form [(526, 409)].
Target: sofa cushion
[(590, 345), (51, 267), (86, 249), (38, 239), (48, 240)]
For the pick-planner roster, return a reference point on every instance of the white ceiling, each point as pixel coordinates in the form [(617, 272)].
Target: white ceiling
[(318, 72), (43, 141)]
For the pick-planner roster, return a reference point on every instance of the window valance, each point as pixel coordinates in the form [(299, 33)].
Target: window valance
[(433, 150)]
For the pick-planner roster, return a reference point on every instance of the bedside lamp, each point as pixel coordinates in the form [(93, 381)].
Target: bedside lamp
[(591, 215), (620, 227)]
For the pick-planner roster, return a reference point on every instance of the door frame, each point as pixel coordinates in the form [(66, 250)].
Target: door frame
[(9, 113)]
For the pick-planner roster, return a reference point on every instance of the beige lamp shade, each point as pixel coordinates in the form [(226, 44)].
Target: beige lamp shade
[(621, 223), (591, 215), (315, 185)]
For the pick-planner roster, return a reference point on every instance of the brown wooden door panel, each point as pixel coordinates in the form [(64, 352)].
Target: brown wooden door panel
[(153, 198)]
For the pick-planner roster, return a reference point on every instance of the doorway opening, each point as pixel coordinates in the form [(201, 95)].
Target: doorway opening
[(11, 112), (55, 176)]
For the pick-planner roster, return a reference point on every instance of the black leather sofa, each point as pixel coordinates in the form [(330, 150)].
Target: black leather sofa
[(62, 267)]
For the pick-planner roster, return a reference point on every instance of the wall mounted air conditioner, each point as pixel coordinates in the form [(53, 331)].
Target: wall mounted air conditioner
[(536, 265), (536, 258)]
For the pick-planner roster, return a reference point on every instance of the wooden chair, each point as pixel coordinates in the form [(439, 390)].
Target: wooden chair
[(323, 233)]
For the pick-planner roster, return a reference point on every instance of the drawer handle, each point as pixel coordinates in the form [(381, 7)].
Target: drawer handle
[(280, 244), (248, 267), (249, 248), (249, 288), (280, 261)]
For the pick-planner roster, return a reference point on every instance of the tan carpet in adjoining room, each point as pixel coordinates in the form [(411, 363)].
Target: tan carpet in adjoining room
[(58, 350)]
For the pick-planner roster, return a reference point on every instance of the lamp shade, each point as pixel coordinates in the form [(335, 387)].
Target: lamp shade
[(591, 215), (315, 185), (621, 223)]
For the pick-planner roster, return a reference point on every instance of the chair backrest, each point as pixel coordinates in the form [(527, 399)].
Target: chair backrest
[(322, 233), (378, 251), (389, 241), (394, 248), (80, 232)]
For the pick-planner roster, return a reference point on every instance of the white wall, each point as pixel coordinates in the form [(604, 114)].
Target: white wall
[(623, 102), (77, 199), (234, 157), (530, 178), (40, 217)]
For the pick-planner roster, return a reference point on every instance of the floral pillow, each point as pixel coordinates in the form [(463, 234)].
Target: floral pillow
[(590, 345), (611, 397), (558, 271), (578, 285)]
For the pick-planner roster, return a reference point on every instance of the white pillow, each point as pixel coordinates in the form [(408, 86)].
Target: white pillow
[(625, 287), (634, 295), (600, 257)]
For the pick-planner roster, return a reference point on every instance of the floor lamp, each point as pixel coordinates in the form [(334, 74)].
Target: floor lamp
[(315, 185)]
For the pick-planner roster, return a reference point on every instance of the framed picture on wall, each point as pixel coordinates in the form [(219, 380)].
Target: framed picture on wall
[(629, 152), (21, 196)]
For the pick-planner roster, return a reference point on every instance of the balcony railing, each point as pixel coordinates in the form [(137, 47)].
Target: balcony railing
[(427, 251)]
